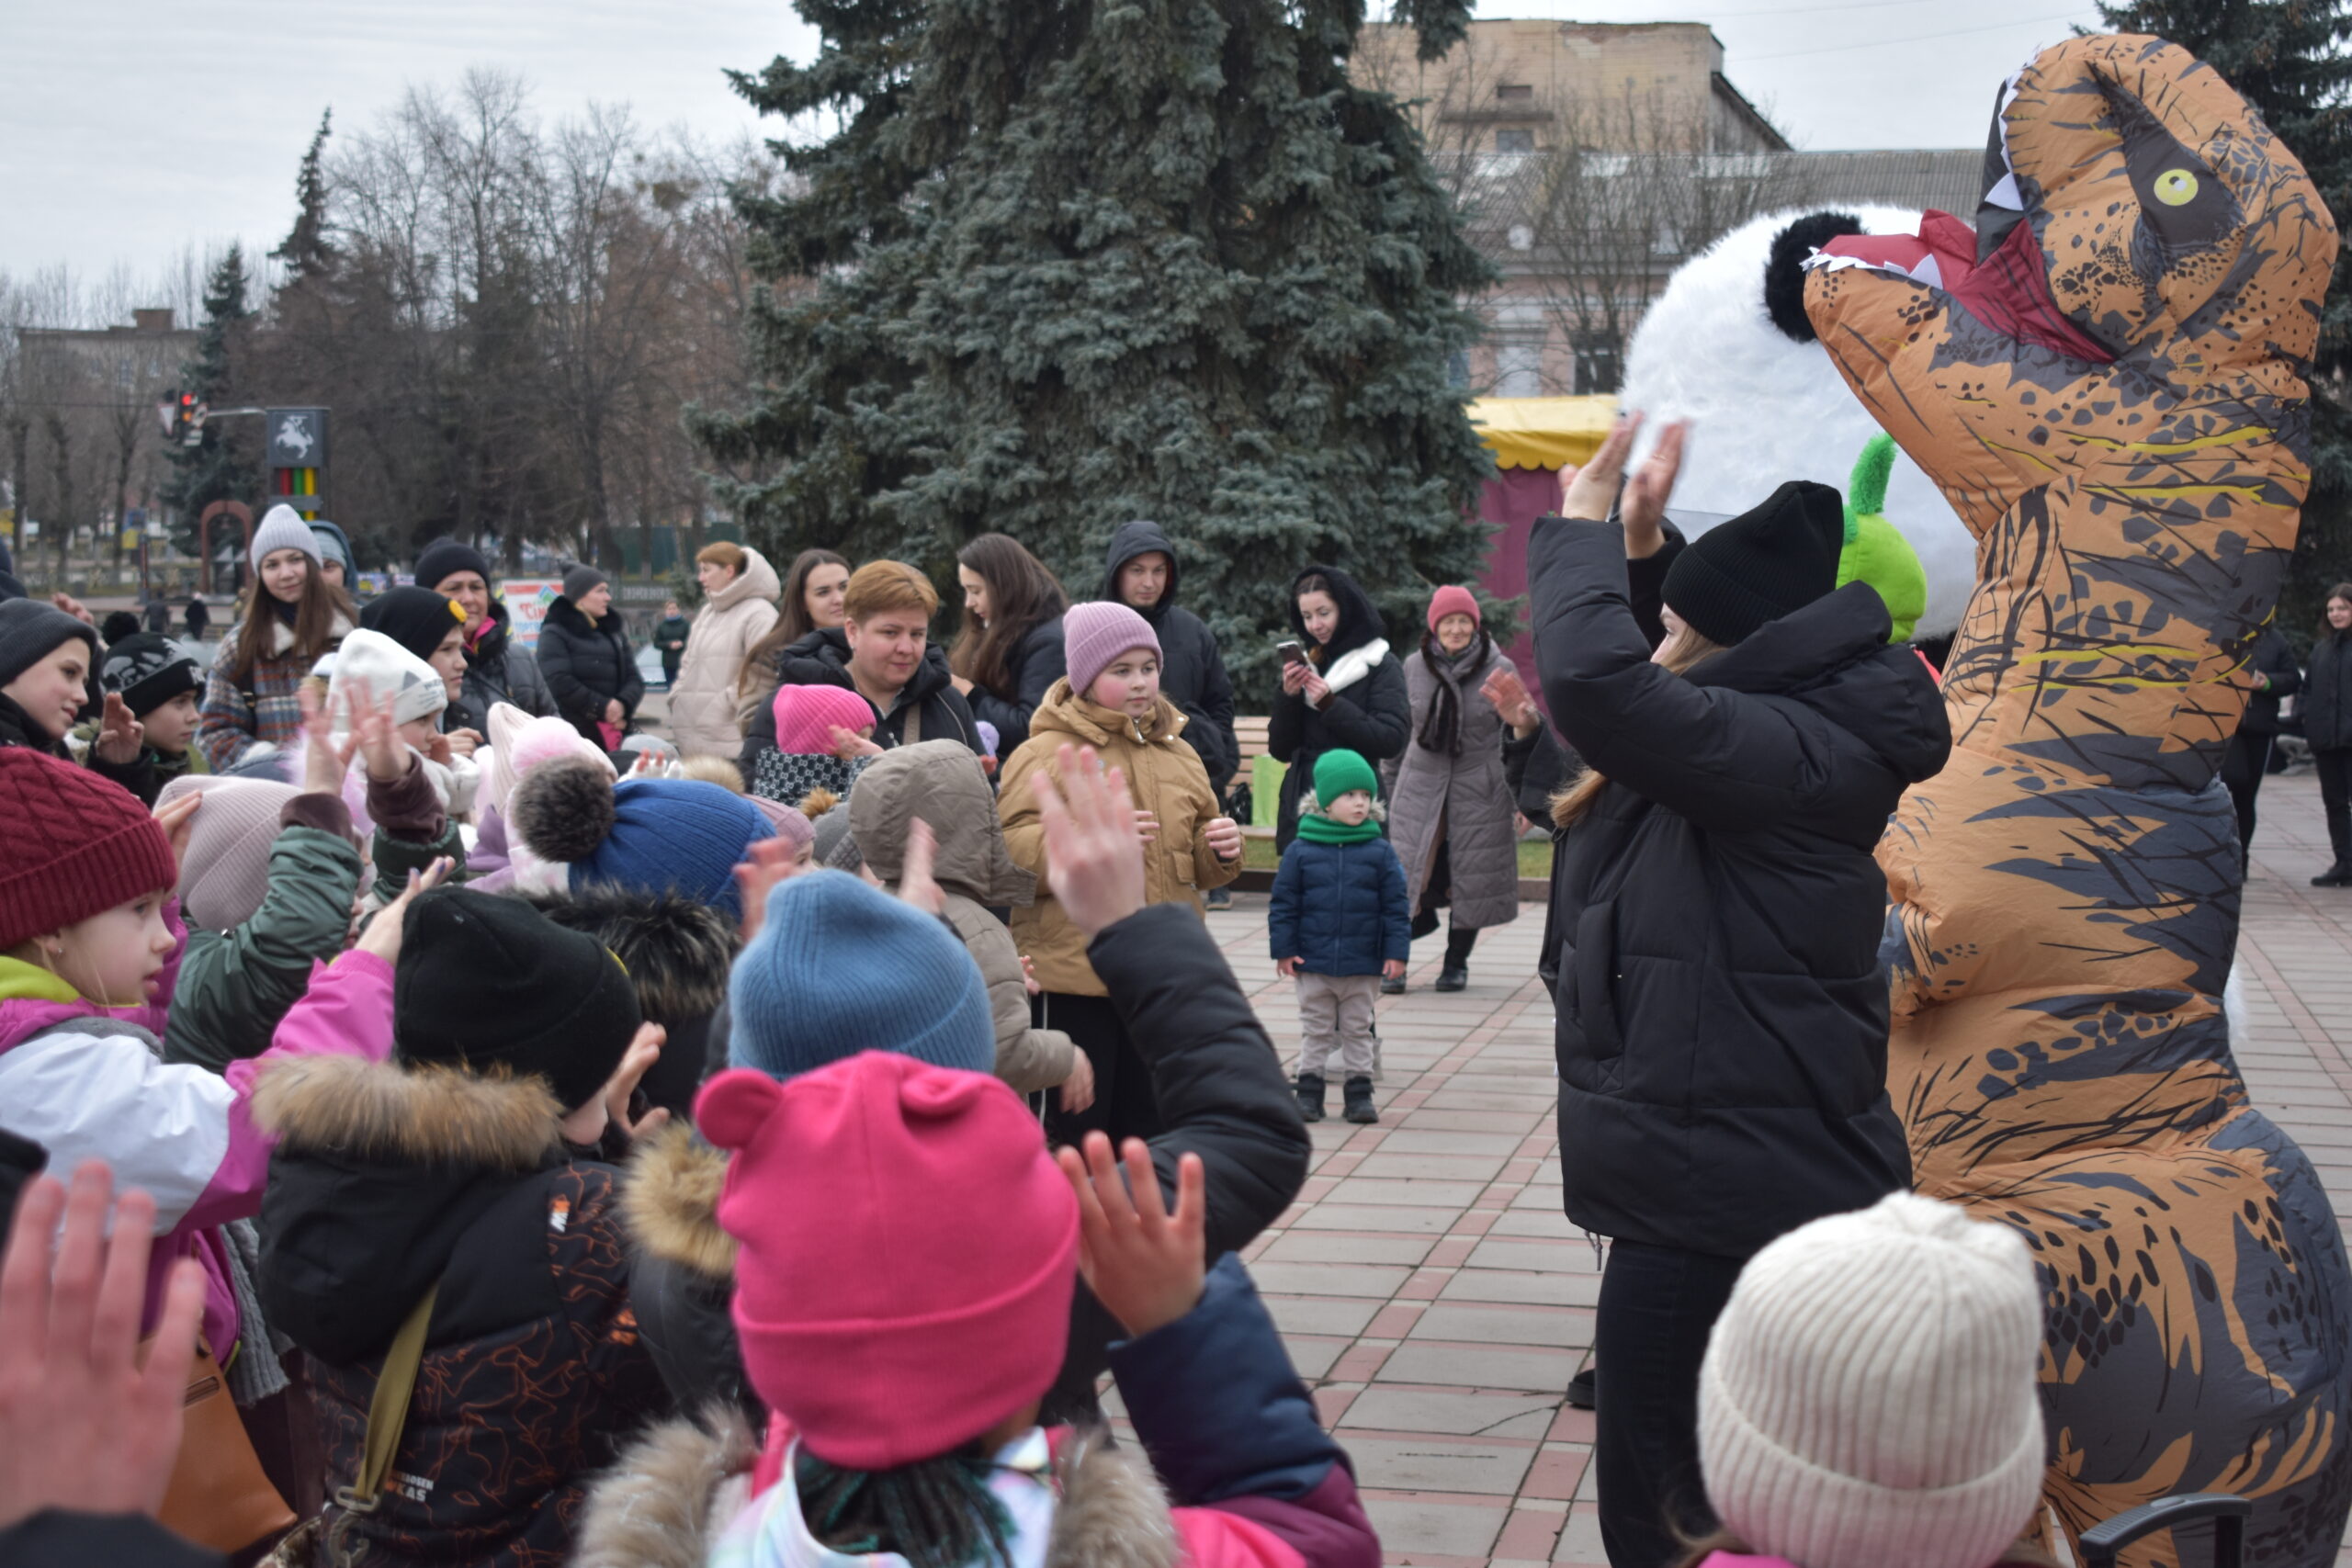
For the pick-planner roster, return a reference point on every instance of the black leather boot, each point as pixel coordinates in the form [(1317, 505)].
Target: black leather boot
[(1359, 1102), (1310, 1096)]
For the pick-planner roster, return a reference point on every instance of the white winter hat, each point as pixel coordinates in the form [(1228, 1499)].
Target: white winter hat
[(282, 528), (415, 688), (1868, 1395)]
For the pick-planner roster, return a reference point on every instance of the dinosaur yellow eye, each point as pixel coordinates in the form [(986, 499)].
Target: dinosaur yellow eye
[(2176, 187)]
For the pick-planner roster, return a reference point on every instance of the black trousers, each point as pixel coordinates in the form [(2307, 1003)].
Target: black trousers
[(2336, 800), (1657, 1305), (2243, 765), (1124, 1106)]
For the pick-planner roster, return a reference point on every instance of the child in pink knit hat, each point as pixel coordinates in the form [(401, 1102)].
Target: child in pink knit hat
[(824, 737), (908, 1252)]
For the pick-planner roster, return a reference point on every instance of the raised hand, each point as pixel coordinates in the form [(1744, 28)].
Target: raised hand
[(1589, 491), (1647, 493), (849, 745), (1093, 854), (177, 819), (375, 737), (1508, 694), (382, 936), (916, 884), (120, 735), (1141, 1262), (636, 1062), (83, 1425), (322, 764)]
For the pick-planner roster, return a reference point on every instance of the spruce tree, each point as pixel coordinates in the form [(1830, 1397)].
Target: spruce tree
[(306, 249), (1067, 264), (213, 470), (2288, 58)]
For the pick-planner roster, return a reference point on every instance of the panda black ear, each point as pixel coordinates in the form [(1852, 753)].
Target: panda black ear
[(1784, 268)]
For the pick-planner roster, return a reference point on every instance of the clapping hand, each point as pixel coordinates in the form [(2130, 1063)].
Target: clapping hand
[(177, 819), (1093, 854), (1142, 1262), (772, 861), (86, 1427), (849, 745), (916, 884), (376, 737), (1643, 511), (1508, 694)]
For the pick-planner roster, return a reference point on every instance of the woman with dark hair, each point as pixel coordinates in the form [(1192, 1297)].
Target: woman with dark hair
[(292, 617), (1010, 651), (1451, 815), (812, 601), (1343, 689), (2326, 709)]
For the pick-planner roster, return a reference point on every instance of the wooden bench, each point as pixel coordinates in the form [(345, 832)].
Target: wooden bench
[(1251, 733)]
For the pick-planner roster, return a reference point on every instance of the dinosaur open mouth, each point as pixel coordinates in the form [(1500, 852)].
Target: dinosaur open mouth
[(2009, 291)]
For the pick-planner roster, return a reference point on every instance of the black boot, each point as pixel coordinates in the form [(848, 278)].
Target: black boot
[(1394, 988), (1454, 973), (1310, 1096), (2338, 875), (1584, 1388), (1359, 1093), (1452, 979)]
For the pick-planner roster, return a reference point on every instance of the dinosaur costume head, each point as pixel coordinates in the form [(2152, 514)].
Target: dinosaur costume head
[(2104, 377)]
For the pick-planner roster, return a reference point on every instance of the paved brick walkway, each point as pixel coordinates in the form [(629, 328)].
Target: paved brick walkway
[(1432, 1291)]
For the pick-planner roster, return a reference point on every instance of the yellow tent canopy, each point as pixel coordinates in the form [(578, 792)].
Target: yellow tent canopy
[(1542, 432)]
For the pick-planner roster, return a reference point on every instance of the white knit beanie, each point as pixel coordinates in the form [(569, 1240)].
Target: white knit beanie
[(282, 528), (390, 673), (1868, 1395)]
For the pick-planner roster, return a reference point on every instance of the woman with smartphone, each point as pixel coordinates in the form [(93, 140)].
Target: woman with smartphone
[(1341, 687)]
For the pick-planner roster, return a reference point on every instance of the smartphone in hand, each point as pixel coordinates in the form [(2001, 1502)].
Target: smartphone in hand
[(1292, 652)]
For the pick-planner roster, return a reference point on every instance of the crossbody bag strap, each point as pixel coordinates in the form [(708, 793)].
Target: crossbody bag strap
[(387, 1413)]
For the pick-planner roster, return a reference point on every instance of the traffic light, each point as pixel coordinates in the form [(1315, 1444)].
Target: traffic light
[(182, 417)]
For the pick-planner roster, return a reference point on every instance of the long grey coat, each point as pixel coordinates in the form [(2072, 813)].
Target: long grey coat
[(1465, 798)]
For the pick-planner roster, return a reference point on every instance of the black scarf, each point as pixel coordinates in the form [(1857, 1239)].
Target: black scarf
[(1441, 729)]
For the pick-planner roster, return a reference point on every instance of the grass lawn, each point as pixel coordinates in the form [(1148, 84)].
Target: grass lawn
[(1535, 857)]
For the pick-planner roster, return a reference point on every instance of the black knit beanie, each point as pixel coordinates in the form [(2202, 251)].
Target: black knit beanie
[(485, 982), (443, 558), (149, 671), (582, 580), (1775, 557), (416, 618), (31, 629)]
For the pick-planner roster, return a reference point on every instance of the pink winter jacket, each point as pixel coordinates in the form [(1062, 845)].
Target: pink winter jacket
[(182, 1134)]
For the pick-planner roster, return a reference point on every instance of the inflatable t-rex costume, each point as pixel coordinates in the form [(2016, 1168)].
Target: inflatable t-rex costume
[(2105, 379)]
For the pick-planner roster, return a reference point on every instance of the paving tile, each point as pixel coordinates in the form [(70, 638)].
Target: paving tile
[(1460, 1414), (1440, 1464), (1557, 1327), (1467, 1365), (1346, 1247), (1408, 1526)]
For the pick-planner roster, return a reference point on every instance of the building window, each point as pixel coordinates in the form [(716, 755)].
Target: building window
[(1520, 237), (1600, 368), (1514, 92), (1457, 369), (1519, 370), (1514, 139)]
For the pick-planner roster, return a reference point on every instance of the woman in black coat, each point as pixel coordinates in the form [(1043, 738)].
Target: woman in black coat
[(1009, 654), (1349, 692), (2326, 708), (584, 658), (1722, 1008)]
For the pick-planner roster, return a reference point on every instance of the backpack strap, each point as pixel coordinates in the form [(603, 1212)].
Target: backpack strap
[(387, 1416)]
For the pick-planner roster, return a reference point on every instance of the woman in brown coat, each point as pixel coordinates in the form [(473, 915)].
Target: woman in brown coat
[(1111, 701)]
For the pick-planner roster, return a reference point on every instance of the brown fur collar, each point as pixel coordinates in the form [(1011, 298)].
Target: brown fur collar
[(670, 1203), (677, 1487), (408, 1115)]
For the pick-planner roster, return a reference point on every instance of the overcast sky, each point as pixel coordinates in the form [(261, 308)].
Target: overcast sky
[(131, 128)]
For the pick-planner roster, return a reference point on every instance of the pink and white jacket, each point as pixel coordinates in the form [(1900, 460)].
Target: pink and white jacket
[(88, 1082)]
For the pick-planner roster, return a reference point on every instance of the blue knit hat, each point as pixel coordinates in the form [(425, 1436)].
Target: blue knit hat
[(839, 968), (651, 835)]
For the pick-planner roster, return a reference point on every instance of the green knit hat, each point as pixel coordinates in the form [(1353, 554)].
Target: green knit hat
[(1336, 773), (1875, 552)]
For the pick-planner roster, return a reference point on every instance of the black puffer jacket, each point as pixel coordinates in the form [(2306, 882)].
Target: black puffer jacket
[(1037, 664), (386, 1180), (1191, 671), (1722, 1006), (586, 664), (1371, 715), (2325, 705), (1222, 1096), (500, 670), (821, 659)]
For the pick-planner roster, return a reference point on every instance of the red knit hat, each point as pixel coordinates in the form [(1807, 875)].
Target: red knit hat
[(805, 716), (909, 1250), (71, 845), (1453, 600)]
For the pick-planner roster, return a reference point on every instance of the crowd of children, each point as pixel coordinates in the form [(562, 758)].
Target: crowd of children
[(548, 1160)]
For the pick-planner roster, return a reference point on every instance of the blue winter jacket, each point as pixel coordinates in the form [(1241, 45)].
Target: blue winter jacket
[(1341, 908)]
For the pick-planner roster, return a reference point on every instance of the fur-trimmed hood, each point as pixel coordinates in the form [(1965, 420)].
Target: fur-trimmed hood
[(379, 1172), (678, 1488), (670, 1204)]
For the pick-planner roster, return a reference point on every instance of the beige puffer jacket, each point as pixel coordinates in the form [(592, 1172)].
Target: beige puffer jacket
[(702, 702), (941, 782), (1164, 776)]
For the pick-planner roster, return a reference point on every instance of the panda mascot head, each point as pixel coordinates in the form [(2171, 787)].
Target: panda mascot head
[(1728, 347)]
